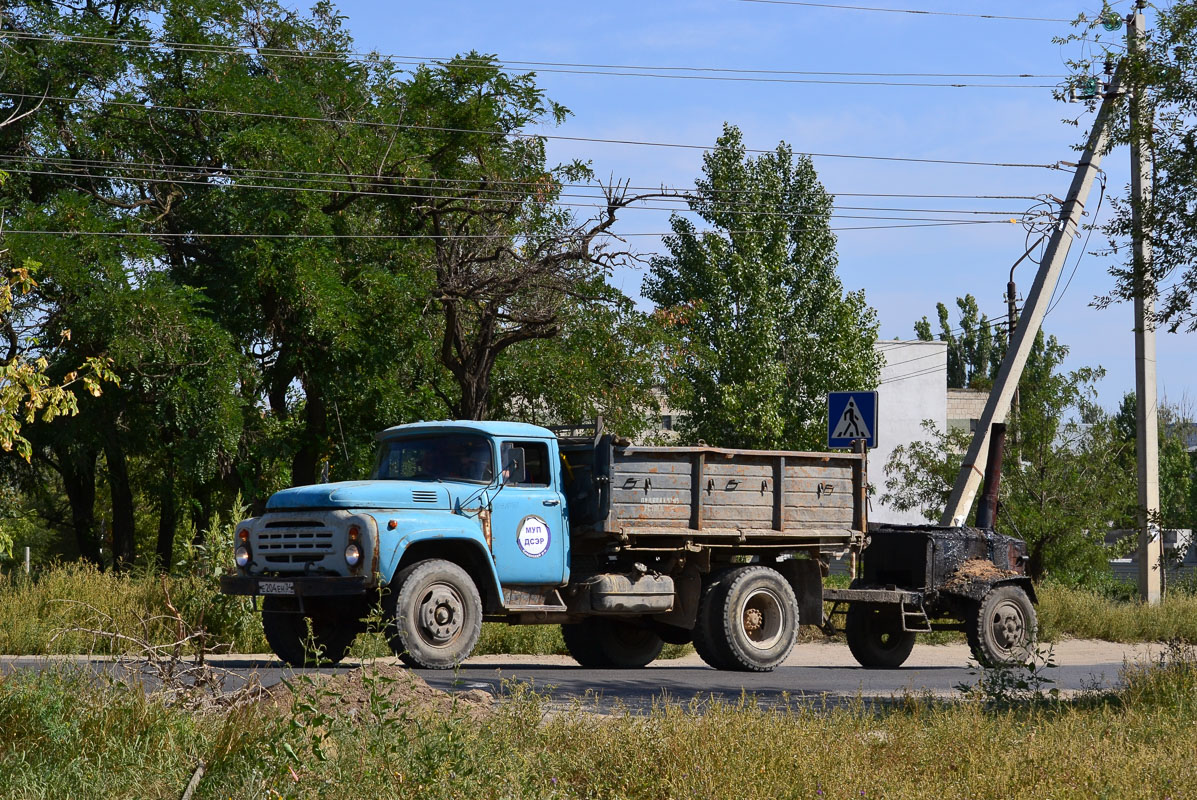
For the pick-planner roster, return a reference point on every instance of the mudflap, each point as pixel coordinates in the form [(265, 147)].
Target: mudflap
[(805, 576)]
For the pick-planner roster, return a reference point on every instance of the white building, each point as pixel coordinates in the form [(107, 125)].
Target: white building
[(913, 388)]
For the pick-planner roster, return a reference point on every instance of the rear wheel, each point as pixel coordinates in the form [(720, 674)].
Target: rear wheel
[(875, 635), (322, 637), (435, 614), (1004, 628), (708, 637), (748, 620), (605, 642)]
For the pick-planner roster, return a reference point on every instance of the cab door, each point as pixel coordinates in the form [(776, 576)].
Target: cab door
[(529, 536)]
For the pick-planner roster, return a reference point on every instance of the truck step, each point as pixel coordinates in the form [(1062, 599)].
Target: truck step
[(914, 618)]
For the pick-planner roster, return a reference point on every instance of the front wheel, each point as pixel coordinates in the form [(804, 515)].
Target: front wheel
[(435, 614), (604, 642), (1002, 633), (288, 634), (875, 635)]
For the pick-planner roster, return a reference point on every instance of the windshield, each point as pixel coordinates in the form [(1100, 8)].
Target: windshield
[(445, 457)]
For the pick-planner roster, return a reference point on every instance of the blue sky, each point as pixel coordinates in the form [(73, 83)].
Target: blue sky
[(904, 272)]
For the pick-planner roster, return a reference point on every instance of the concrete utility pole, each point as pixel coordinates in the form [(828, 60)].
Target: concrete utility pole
[(998, 405), (1146, 416)]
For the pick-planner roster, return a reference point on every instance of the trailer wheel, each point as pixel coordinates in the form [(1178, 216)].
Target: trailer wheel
[(1003, 630), (875, 635), (754, 618), (434, 614), (604, 642), (287, 633)]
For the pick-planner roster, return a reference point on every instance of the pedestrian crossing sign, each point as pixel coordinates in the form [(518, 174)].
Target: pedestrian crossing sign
[(851, 416)]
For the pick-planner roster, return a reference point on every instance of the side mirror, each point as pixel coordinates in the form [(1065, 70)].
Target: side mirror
[(513, 465)]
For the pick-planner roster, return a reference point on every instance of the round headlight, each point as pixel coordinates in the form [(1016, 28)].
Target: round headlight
[(241, 556), (353, 554)]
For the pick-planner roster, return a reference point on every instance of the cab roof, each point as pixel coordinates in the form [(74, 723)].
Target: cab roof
[(506, 430)]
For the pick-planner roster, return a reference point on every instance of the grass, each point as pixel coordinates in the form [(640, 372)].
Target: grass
[(66, 735), (1087, 614), (41, 616)]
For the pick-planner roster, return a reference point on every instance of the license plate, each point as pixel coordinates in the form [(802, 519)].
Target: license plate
[(276, 587)]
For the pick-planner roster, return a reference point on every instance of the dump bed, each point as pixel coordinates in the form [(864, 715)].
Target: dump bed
[(671, 496)]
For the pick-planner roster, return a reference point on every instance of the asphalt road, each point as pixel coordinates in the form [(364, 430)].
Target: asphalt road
[(814, 674)]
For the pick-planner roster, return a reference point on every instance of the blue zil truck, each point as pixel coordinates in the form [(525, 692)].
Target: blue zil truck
[(625, 547)]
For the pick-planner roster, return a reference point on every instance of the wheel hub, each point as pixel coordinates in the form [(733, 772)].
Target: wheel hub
[(762, 617), (442, 613), (1008, 625)]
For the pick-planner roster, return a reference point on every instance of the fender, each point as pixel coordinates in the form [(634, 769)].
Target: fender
[(977, 589), (417, 527)]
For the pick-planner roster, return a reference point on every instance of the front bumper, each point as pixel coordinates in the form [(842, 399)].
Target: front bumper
[(308, 586)]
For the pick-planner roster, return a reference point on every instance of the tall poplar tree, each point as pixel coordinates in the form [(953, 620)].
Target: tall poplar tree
[(762, 326)]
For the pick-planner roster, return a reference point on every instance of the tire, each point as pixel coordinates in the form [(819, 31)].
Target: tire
[(875, 635), (434, 614), (752, 619), (327, 642), (599, 642), (1003, 631), (708, 637)]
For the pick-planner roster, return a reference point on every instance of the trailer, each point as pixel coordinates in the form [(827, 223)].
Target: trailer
[(625, 547)]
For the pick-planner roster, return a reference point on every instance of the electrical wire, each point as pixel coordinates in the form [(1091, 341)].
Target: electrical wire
[(915, 374), (373, 179), (559, 137), (387, 236), (718, 206), (1081, 254), (738, 74), (920, 12)]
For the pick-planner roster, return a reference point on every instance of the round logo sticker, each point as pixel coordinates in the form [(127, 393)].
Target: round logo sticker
[(533, 537)]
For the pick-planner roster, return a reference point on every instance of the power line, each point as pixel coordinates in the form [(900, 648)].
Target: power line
[(373, 179), (559, 137), (1081, 254), (920, 12), (715, 73), (388, 236), (915, 374), (519, 200)]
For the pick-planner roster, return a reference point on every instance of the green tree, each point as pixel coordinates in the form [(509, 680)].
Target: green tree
[(1063, 483), (975, 350), (761, 326), (603, 362), (1176, 474), (1166, 74), (383, 246)]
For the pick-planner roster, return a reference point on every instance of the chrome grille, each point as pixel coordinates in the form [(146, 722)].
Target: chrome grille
[(423, 496)]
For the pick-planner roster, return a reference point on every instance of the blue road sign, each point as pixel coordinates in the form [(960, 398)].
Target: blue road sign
[(851, 416)]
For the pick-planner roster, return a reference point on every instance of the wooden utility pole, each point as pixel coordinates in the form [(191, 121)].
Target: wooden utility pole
[(998, 405), (1146, 416)]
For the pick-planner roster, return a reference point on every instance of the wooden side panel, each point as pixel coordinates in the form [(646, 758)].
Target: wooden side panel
[(663, 489), (652, 490)]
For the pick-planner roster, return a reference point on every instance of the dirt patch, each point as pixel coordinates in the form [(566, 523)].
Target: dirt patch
[(976, 570), (378, 689)]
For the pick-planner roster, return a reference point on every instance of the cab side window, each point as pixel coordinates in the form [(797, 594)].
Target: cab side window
[(536, 462)]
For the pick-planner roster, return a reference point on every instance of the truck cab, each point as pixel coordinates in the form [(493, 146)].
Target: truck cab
[(482, 502)]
